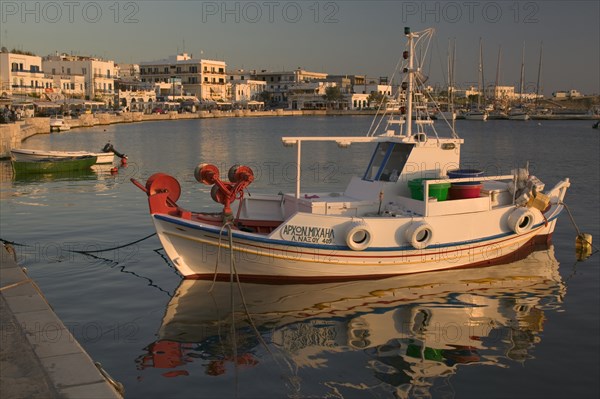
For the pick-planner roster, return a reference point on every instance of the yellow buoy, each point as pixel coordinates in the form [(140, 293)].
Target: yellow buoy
[(583, 246)]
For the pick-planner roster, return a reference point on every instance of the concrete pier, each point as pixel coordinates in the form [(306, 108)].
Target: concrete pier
[(39, 358)]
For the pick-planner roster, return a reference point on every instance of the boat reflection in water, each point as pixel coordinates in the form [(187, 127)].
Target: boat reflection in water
[(411, 330)]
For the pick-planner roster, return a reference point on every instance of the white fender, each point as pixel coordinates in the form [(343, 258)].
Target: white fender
[(419, 234), (521, 220), (359, 236)]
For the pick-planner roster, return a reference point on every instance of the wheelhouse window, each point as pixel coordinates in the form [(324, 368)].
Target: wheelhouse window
[(387, 162)]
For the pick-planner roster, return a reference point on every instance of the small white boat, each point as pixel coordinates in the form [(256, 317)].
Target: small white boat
[(518, 114), (409, 212), (58, 123), (476, 115), (106, 156)]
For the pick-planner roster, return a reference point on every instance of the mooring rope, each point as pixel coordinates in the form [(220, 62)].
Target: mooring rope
[(579, 234), (86, 252)]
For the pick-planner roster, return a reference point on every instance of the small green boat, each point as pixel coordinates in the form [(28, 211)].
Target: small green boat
[(55, 165)]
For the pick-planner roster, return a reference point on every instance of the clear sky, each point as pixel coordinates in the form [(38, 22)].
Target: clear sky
[(338, 37)]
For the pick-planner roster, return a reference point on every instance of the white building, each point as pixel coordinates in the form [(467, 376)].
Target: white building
[(22, 74), (278, 83), (128, 72), (308, 95), (204, 79), (370, 88), (99, 75), (465, 93), (566, 94), (501, 92), (69, 86), (358, 101)]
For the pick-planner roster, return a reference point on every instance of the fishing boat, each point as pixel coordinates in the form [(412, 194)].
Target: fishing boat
[(423, 324), (414, 209), (54, 165), (58, 123), (105, 156)]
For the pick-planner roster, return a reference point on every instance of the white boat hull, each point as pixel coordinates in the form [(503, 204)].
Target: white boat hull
[(24, 155), (194, 248), (518, 117), (476, 116)]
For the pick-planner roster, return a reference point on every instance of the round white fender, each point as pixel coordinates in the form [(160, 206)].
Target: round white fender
[(359, 236), (419, 234), (521, 220)]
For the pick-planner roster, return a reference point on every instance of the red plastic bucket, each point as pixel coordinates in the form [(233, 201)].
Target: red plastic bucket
[(464, 191)]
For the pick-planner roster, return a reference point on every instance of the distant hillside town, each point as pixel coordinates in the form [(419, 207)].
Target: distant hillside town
[(76, 83)]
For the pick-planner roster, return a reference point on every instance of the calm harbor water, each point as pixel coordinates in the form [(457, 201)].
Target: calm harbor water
[(528, 329)]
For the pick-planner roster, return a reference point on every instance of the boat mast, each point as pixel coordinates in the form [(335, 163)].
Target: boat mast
[(498, 65), (537, 90), (480, 76), (409, 89), (522, 74), (481, 68)]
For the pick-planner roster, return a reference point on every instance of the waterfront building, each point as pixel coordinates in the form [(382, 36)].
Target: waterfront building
[(128, 72), (308, 95), (99, 74), (137, 100), (501, 93), (466, 93), (278, 83), (561, 95), (67, 86), (204, 79), (243, 89), (348, 83), (21, 73)]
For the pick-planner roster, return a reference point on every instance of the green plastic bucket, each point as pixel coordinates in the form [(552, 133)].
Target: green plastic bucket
[(438, 190)]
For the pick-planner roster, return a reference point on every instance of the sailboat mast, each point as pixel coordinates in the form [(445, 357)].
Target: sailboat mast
[(452, 75), (479, 77), (522, 73), (537, 90), (498, 66), (481, 68), (409, 90)]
